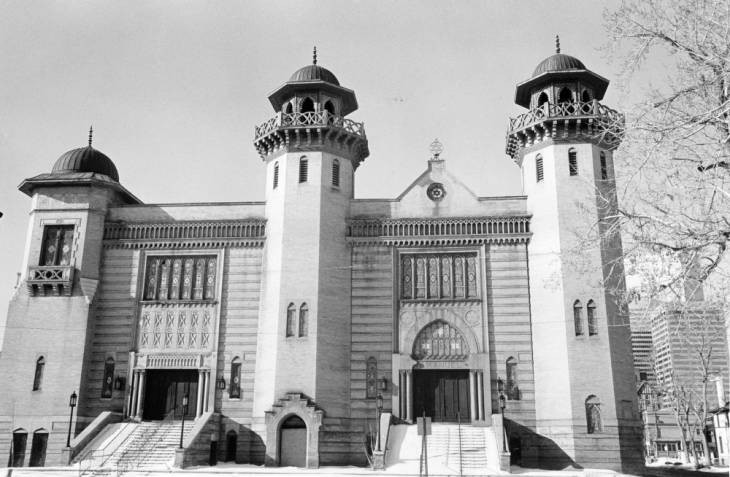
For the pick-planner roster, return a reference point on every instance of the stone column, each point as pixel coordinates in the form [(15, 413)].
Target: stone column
[(401, 394), (472, 395), (132, 410), (140, 394), (206, 395), (409, 395), (199, 400), (480, 393)]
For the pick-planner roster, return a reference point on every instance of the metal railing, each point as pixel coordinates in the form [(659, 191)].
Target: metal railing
[(316, 119), (566, 110)]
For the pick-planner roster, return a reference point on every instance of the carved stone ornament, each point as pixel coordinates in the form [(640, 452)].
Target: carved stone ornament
[(436, 191)]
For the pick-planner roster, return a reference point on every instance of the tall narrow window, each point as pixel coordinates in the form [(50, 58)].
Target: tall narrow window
[(276, 175), (538, 168), (512, 388), (329, 107), (565, 96), (303, 320), (593, 415), (307, 105), (303, 169), (38, 448), (289, 108), (57, 243), (20, 439), (38, 378), (291, 319), (234, 392), (578, 318), (542, 99), (604, 166), (108, 384), (572, 162), (371, 378), (592, 321), (336, 173), (586, 96)]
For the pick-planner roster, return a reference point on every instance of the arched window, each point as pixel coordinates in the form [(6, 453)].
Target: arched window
[(604, 166), (336, 173), (107, 384), (572, 162), (307, 105), (538, 168), (303, 320), (371, 378), (593, 415), (585, 96), (512, 388), (38, 448), (289, 109), (542, 99), (234, 392), (592, 320), (276, 175), (38, 378), (578, 318), (231, 445), (440, 341), (303, 169), (20, 440), (291, 319), (565, 96), (329, 107)]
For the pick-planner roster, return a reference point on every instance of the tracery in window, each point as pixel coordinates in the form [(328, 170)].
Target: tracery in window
[(40, 364), (180, 278), (512, 388), (452, 276), (440, 341), (291, 319), (57, 243), (234, 391), (592, 321), (578, 317), (371, 378), (303, 320), (108, 384)]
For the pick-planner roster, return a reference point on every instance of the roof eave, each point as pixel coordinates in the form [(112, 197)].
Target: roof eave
[(277, 97), (522, 92), (47, 180)]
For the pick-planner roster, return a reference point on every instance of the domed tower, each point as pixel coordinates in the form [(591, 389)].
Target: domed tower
[(311, 151), (584, 389), (46, 355)]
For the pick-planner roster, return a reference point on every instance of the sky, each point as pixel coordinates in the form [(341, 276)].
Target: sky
[(175, 88)]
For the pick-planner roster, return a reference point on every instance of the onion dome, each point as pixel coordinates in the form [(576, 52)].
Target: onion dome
[(86, 159), (559, 68), (312, 78)]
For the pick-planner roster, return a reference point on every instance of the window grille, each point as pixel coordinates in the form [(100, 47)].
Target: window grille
[(303, 169), (38, 448), (452, 276), (440, 341), (57, 243), (578, 317), (336, 173), (276, 175), (572, 162), (175, 278), (538, 168)]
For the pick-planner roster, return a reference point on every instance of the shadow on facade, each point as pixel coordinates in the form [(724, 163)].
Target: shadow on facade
[(530, 449)]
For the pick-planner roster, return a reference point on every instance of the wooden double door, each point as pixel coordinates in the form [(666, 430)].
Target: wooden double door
[(442, 395), (163, 396)]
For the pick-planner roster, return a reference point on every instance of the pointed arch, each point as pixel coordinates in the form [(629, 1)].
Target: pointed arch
[(291, 317), (307, 105), (565, 95), (303, 320), (592, 320), (40, 365), (329, 107), (38, 448), (542, 99), (440, 341), (289, 108), (586, 96)]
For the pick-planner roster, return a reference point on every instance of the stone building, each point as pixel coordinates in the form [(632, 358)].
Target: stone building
[(280, 322)]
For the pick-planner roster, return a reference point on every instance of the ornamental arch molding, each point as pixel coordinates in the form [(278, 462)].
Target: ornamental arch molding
[(294, 404), (410, 332)]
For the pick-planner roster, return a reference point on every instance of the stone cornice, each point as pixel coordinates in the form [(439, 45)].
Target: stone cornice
[(187, 234)]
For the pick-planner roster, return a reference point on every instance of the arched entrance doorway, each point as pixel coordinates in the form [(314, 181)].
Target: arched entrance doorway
[(442, 394), (293, 442), (231, 444)]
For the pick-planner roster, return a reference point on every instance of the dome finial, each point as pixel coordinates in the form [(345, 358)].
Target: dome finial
[(314, 56), (91, 134), (436, 149), (557, 44)]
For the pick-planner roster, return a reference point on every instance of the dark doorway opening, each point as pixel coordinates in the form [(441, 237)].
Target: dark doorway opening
[(442, 395), (38, 449), (231, 443), (163, 396), (18, 453)]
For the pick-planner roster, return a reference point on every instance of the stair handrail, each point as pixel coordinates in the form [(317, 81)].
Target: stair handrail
[(458, 422)]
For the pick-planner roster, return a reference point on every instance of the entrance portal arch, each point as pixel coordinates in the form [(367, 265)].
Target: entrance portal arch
[(293, 442), (296, 414)]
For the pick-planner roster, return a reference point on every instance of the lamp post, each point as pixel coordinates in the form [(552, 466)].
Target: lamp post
[(185, 410), (379, 409), (502, 405), (72, 404)]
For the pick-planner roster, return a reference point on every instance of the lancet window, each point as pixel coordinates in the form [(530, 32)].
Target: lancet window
[(452, 276), (108, 385), (594, 424), (38, 377), (176, 278), (440, 341), (371, 378), (57, 243)]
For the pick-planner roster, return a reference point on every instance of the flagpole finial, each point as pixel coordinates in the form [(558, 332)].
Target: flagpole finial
[(557, 43), (314, 56), (91, 134)]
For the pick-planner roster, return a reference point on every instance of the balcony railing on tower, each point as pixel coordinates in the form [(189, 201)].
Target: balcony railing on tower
[(589, 119), (311, 129), (50, 280)]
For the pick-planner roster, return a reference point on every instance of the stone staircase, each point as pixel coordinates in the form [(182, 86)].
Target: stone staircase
[(135, 446)]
